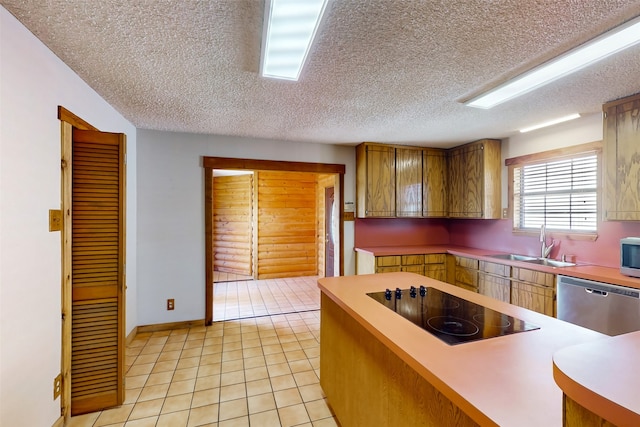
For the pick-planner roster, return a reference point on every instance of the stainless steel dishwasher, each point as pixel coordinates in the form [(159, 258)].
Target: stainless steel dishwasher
[(606, 308)]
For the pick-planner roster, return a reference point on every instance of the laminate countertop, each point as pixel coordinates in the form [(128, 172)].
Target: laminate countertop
[(603, 377), (505, 381), (583, 271)]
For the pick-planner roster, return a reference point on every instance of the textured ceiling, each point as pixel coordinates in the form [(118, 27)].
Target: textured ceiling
[(381, 70)]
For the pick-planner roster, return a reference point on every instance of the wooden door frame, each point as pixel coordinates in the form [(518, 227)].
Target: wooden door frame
[(211, 163)]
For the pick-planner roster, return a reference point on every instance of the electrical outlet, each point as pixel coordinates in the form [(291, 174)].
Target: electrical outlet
[(505, 213), (171, 304), (57, 386)]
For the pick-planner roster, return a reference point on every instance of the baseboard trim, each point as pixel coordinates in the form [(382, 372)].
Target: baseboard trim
[(131, 336), (169, 326), (59, 422)]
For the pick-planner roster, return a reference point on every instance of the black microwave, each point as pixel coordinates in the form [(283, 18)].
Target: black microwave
[(630, 256)]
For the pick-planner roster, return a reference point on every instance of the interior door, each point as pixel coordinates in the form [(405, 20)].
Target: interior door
[(329, 246), (97, 218)]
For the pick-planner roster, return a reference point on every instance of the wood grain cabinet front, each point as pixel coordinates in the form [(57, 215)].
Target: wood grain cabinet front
[(408, 182), (375, 180), (466, 273), (534, 290), (474, 173), (494, 280), (434, 185), (621, 155)]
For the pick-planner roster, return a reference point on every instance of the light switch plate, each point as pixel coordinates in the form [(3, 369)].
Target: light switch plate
[(55, 220), (57, 386)]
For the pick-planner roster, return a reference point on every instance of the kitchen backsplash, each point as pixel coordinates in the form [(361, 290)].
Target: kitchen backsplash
[(492, 235)]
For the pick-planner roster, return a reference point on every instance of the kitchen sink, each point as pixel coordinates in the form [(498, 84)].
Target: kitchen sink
[(533, 260), (514, 257)]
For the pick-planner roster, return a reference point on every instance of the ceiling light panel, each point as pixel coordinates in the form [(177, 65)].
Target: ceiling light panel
[(611, 42), (289, 29), (551, 123)]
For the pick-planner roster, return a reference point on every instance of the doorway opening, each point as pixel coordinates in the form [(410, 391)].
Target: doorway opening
[(287, 218)]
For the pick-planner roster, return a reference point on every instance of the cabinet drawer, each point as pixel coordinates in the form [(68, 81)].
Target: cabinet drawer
[(497, 269), (412, 259), (467, 262), (435, 258), (390, 269), (532, 276), (386, 261)]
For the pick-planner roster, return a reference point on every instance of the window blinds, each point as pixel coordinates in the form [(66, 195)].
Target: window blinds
[(561, 194)]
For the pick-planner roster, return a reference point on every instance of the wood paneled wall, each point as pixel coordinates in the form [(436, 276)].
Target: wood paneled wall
[(324, 181), (233, 224), (287, 224)]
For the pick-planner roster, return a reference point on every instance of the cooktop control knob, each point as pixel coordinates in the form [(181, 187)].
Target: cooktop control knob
[(412, 291), (398, 293), (423, 291), (387, 295)]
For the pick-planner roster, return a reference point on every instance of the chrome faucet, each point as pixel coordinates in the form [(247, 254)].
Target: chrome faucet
[(545, 250)]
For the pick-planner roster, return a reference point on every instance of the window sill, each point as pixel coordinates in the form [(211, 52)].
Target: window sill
[(558, 234)]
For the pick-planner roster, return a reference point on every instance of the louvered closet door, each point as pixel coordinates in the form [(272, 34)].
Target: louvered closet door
[(97, 218)]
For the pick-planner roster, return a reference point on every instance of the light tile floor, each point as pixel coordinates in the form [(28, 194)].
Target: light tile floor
[(257, 372), (221, 276), (244, 299)]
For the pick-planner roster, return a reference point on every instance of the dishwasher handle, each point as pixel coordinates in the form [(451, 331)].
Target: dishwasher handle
[(597, 292)]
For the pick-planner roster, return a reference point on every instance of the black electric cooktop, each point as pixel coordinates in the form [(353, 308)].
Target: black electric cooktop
[(452, 319)]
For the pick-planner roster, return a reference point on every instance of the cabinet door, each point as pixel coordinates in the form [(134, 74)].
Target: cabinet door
[(456, 183), (408, 182), (381, 199), (533, 297), (435, 184), (622, 161), (494, 286), (436, 271), (473, 196)]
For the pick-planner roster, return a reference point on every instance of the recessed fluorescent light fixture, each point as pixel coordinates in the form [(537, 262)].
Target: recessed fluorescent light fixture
[(551, 122), (289, 29), (611, 42)]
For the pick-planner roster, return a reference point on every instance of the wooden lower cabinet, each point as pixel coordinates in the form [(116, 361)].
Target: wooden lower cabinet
[(430, 265), (466, 273), (494, 280), (494, 286), (533, 297), (366, 384), (534, 290), (576, 415)]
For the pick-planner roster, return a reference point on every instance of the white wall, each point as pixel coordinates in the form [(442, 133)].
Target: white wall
[(171, 238), (33, 82)]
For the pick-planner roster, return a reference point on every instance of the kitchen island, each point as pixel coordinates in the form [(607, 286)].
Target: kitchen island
[(378, 368)]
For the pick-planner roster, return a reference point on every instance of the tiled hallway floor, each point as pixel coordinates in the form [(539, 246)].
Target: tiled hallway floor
[(250, 298), (257, 372)]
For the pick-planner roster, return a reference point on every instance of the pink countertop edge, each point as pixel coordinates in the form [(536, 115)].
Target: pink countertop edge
[(583, 271), (499, 381), (603, 377)]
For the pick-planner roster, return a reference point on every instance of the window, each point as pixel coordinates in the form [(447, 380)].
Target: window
[(558, 192)]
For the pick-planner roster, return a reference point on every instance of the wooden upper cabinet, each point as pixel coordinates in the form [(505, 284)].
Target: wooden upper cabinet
[(375, 180), (474, 180), (434, 185), (621, 155), (408, 182)]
